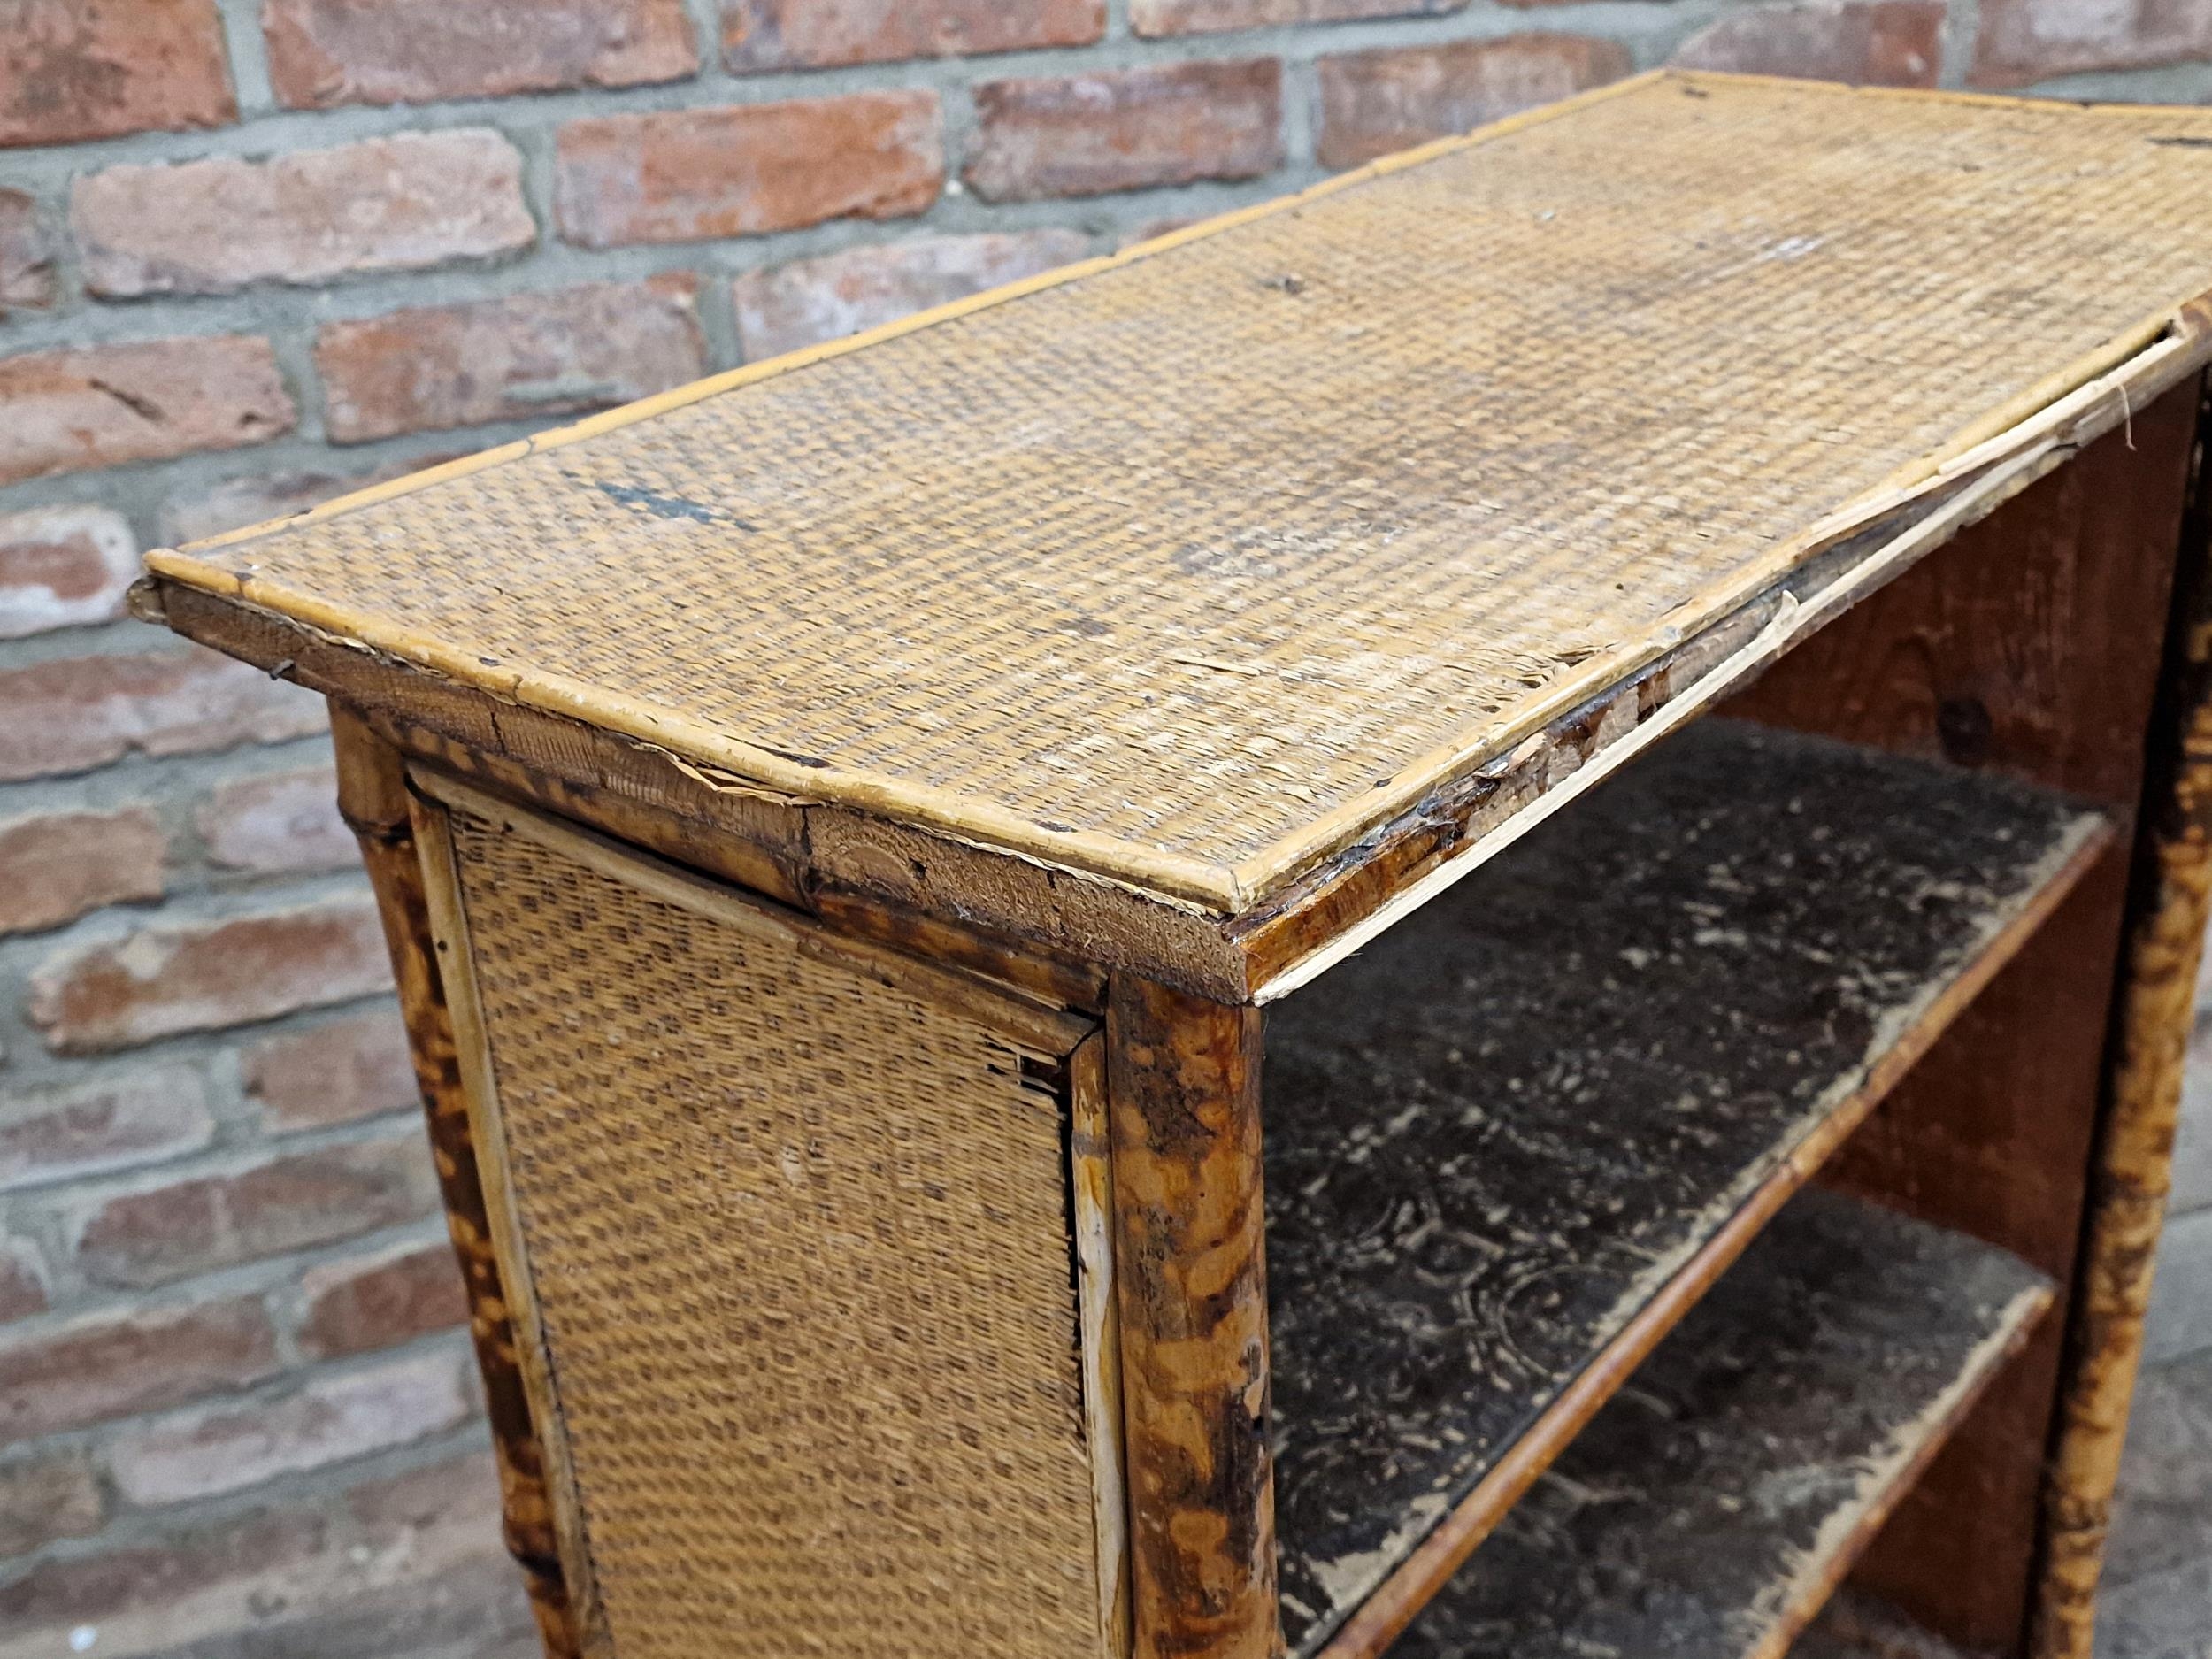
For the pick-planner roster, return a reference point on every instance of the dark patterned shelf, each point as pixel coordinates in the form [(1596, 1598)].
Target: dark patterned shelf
[(1854, 1626), (1511, 1140), (1709, 1508)]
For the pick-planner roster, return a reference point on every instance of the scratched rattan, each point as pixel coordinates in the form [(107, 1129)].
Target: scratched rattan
[(1185, 568), (801, 1256)]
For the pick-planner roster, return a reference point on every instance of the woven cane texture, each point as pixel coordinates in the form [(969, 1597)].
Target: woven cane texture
[(802, 1263), (1183, 569)]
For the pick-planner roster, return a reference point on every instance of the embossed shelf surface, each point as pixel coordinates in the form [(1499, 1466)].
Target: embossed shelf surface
[(1854, 1626), (1709, 1509), (1494, 1139)]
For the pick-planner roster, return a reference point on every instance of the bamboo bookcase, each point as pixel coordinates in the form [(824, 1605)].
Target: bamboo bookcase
[(1458, 913)]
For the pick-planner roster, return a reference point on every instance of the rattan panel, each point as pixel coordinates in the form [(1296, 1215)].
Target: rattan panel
[(802, 1264), (1207, 554)]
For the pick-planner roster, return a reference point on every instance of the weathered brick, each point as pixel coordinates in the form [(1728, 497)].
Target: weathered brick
[(760, 35), (79, 712), (1210, 17), (685, 175), (170, 1581), (276, 822), (339, 1576), (57, 866), (520, 358), (476, 1609), (78, 69), (2023, 40), (1374, 103), (45, 1497), (176, 976), (62, 567), (287, 1202), (1126, 129), (109, 1124), (510, 359), (27, 255), (1870, 43), (327, 52), (794, 305), (114, 1365), (65, 411), (405, 202), (254, 498), (332, 1419), (346, 1069), (381, 1301), (22, 1280)]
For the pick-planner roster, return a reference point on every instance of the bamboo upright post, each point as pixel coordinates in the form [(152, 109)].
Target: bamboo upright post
[(1183, 1082), (372, 799), (2153, 1011)]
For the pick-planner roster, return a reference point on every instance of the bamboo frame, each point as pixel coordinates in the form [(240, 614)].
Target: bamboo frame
[(2153, 1014), (373, 800), (1183, 1085)]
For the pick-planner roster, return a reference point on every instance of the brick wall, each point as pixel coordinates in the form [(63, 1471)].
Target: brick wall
[(255, 251)]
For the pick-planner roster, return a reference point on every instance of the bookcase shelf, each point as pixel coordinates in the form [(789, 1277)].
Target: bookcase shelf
[(1514, 1142), (1709, 1509)]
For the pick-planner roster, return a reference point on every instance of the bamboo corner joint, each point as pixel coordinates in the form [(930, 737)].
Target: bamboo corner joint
[(1668, 668)]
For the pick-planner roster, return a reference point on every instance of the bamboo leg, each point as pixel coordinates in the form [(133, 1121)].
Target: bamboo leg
[(1183, 1086), (372, 797), (2150, 1031)]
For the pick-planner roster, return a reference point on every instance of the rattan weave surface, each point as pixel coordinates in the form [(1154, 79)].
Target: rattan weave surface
[(808, 1312), (1186, 568)]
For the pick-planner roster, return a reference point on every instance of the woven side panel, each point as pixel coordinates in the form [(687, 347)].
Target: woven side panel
[(802, 1263)]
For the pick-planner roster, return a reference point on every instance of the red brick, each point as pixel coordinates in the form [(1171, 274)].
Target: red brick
[(1126, 129), (22, 1280), (798, 304), (170, 977), (78, 713), (111, 1124), (277, 822), (46, 1496), (167, 1581), (520, 358), (759, 34), (326, 52), (1375, 103), (347, 1069), (62, 567), (57, 866), (687, 175), (381, 1301), (1210, 17), (287, 1202), (27, 255), (78, 69), (256, 498), (114, 1365), (2023, 40), (333, 1419), (65, 412), (405, 202), (1870, 42), (339, 1575)]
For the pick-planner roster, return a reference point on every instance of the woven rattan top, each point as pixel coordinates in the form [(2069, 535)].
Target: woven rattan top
[(1187, 567)]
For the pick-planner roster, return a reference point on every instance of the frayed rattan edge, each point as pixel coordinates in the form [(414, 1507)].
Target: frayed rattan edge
[(2097, 392), (1049, 1031), (449, 928)]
